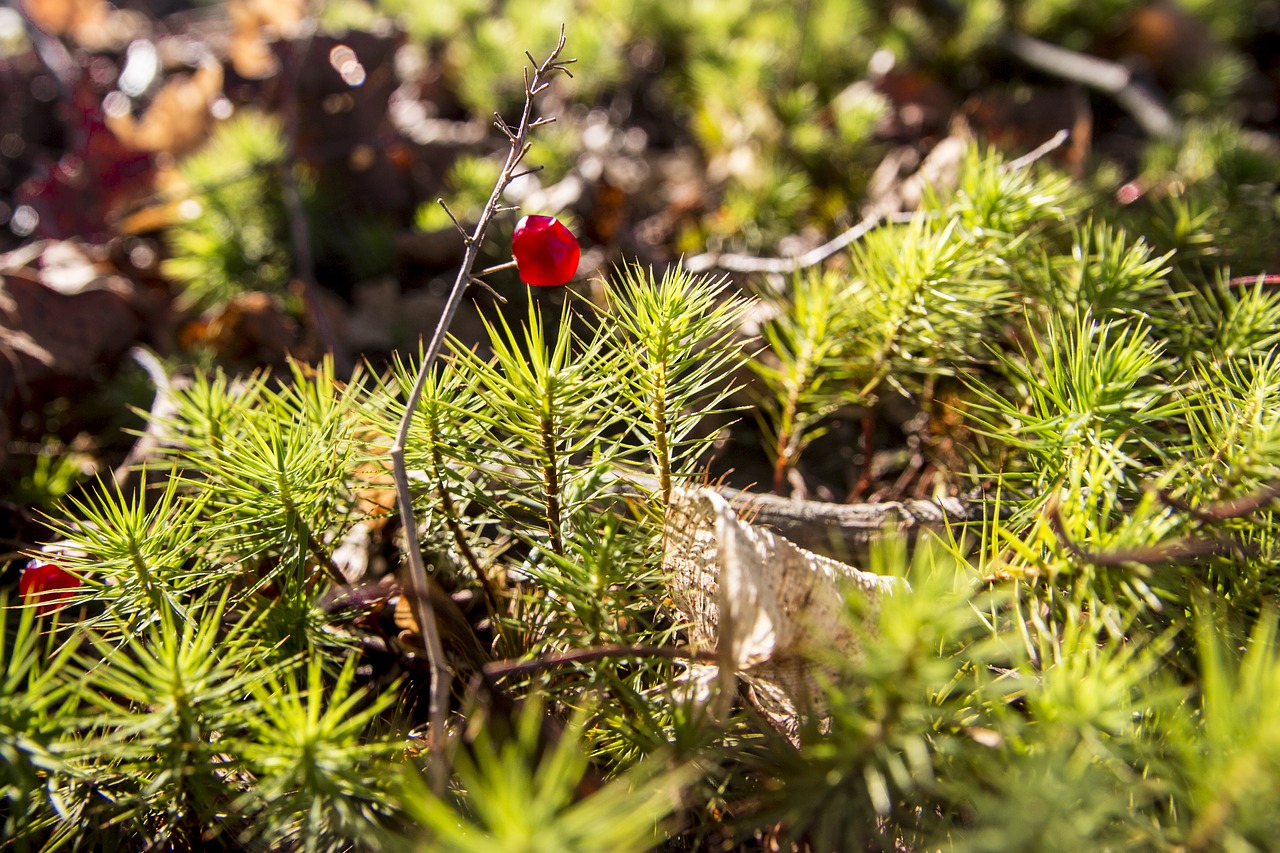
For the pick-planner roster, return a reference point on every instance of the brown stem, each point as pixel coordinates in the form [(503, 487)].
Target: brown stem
[(419, 583), (524, 667), (1168, 551), (753, 264), (660, 432), (780, 467), (551, 488), (492, 602), (326, 562), (787, 434), (868, 450)]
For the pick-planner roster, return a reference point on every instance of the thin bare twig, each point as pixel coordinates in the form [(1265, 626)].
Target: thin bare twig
[(497, 267), (1109, 77), (466, 238), (524, 667), (1223, 510), (1039, 152), (753, 264), (317, 549), (776, 266), (484, 285), (1171, 551), (419, 583)]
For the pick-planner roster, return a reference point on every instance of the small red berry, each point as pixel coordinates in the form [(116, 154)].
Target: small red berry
[(546, 252), (46, 586)]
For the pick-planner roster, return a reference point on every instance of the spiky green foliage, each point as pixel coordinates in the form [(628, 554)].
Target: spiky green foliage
[(679, 342), (164, 700), (305, 737), (185, 718), (519, 795), (921, 300), (1122, 405), (533, 440), (1100, 674), (1061, 665), (232, 236), (276, 480), (36, 698), (544, 399), (1095, 394), (134, 555), (811, 339), (193, 732)]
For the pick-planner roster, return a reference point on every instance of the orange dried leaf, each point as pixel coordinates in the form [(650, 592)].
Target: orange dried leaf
[(179, 118)]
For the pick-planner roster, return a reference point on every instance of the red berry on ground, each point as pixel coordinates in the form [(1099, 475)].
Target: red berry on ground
[(546, 252), (46, 585)]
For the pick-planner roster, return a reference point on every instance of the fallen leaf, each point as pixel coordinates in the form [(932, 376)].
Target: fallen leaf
[(56, 341), (179, 118), (768, 607), (375, 494), (254, 23), (251, 327), (98, 176)]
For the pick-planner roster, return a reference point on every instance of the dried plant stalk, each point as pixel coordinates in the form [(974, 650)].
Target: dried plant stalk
[(419, 586)]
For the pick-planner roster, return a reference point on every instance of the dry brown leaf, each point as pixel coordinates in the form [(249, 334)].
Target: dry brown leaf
[(376, 497), (68, 324), (66, 17), (462, 646), (179, 118), (95, 25), (251, 327), (254, 23), (768, 607), (56, 341)]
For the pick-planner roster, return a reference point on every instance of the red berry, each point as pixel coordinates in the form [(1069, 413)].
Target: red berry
[(46, 585), (546, 252)]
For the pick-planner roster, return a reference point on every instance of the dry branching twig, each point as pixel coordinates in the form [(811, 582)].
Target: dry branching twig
[(780, 266), (1223, 510), (419, 586), (753, 264), (1108, 77), (1170, 551)]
